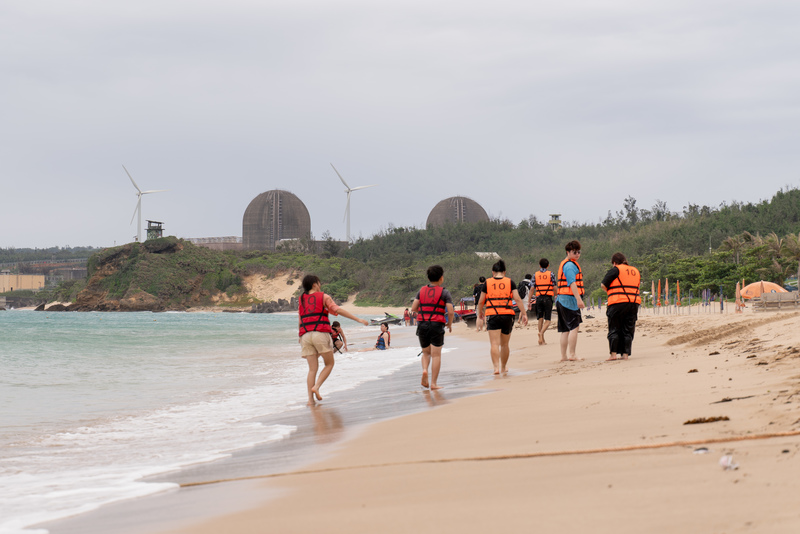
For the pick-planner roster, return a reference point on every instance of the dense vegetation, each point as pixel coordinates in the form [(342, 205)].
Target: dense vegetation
[(703, 247)]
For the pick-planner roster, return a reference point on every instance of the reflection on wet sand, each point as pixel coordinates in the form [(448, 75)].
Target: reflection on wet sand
[(328, 424), (434, 397)]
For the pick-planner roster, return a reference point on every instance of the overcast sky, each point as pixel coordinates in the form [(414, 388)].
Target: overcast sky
[(527, 107)]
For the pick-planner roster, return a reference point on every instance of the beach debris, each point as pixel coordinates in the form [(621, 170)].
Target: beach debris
[(701, 450), (693, 371), (713, 353), (701, 420), (727, 463), (785, 451), (729, 399)]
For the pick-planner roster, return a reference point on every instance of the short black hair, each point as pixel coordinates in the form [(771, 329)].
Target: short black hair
[(435, 273), (499, 267), (528, 276), (482, 279), (544, 263), (573, 246)]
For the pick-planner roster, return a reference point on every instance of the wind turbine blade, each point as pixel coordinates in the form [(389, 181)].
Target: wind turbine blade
[(155, 191), (362, 187), (340, 177), (131, 177), (136, 209), (347, 208)]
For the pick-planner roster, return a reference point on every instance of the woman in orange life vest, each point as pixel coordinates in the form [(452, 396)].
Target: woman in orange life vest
[(622, 285), (315, 332), (496, 303)]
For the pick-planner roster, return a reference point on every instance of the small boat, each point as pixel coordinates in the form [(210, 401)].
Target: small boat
[(389, 319)]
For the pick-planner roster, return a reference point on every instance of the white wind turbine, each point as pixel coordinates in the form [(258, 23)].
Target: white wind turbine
[(138, 210), (348, 191)]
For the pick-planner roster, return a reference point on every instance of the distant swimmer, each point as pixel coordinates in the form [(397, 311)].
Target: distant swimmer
[(622, 285), (315, 333), (496, 304), (434, 307), (384, 339), (544, 290), (569, 300)]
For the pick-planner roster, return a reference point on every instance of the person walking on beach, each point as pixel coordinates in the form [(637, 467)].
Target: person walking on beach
[(569, 300), (432, 302), (315, 332), (498, 295), (622, 309), (476, 295), (524, 289), (544, 290)]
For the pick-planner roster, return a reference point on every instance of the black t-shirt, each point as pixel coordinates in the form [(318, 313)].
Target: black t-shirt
[(611, 275)]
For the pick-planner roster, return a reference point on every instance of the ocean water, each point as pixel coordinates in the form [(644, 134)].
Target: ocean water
[(91, 403)]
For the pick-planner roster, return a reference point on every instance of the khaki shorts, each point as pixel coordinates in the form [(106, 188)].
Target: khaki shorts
[(315, 343)]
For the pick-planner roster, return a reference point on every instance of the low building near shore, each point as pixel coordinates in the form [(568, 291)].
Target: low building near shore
[(16, 282)]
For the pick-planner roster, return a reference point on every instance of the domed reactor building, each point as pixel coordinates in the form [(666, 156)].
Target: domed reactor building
[(456, 210), (272, 217)]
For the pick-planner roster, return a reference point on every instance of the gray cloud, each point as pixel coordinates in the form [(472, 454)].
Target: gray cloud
[(526, 107)]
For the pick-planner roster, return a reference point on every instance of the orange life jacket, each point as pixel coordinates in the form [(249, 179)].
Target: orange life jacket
[(499, 298), (313, 314), (543, 284), (431, 304), (563, 286), (625, 288)]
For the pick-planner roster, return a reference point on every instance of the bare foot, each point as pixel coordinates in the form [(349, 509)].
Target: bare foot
[(541, 339), (612, 358), (564, 359), (624, 356), (311, 403), (434, 386), (497, 371), (315, 391), (576, 359), (424, 379)]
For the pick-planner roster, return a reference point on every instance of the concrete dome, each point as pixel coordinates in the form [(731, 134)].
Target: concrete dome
[(273, 216), (456, 210)]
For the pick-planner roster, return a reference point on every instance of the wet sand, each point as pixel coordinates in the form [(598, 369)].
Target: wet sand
[(589, 446)]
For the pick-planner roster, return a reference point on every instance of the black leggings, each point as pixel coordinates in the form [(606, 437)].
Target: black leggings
[(621, 327)]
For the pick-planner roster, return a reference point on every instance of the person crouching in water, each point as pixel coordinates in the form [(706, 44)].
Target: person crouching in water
[(315, 333), (622, 285), (431, 304), (338, 337), (496, 304), (384, 339)]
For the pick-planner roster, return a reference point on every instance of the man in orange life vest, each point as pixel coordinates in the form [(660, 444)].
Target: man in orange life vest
[(431, 304), (569, 300), (622, 285), (544, 286), (496, 304)]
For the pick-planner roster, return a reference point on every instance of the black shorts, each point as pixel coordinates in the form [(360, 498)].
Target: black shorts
[(430, 333), (544, 308), (504, 323), (568, 320)]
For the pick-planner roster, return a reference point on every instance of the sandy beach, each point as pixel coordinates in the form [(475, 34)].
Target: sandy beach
[(590, 446)]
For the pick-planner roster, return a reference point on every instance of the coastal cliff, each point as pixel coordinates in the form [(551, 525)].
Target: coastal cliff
[(158, 275)]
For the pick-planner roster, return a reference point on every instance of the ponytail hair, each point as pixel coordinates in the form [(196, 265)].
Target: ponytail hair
[(499, 267), (308, 282)]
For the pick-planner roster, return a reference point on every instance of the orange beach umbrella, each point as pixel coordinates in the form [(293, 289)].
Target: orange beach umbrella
[(757, 288)]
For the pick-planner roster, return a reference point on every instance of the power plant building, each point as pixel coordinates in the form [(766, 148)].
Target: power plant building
[(273, 217), (455, 210)]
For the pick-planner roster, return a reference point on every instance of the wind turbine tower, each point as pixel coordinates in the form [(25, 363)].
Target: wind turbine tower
[(349, 190), (138, 210)]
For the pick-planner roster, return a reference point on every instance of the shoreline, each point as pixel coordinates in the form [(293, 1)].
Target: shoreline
[(321, 432), (578, 446)]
